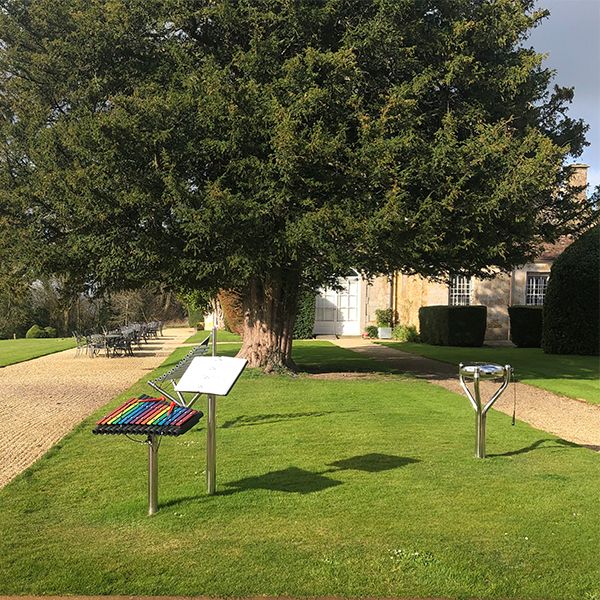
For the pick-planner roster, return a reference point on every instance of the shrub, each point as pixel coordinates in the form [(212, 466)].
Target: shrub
[(526, 326), (195, 316), (35, 331), (405, 333), (452, 325), (572, 303), (384, 317), (371, 331), (50, 332), (305, 317)]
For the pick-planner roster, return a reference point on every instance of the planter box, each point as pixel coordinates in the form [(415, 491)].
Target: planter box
[(384, 333)]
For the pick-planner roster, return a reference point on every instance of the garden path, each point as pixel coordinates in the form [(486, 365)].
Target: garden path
[(573, 420), (44, 398)]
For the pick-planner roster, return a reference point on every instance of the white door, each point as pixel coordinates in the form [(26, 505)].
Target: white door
[(337, 312)]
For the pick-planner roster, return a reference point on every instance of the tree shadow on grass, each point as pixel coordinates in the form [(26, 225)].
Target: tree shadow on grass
[(333, 359), (542, 444)]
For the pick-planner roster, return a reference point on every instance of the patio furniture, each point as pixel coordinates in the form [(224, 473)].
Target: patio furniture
[(80, 343), (96, 343)]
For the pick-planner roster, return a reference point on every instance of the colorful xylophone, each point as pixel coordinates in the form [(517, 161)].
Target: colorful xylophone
[(149, 416)]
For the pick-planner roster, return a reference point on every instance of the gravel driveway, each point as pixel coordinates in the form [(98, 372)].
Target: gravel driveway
[(44, 398)]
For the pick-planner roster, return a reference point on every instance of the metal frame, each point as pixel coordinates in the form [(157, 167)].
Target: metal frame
[(153, 446), (481, 411), (211, 432), (178, 370)]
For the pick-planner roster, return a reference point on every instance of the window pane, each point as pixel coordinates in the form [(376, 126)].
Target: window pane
[(536, 288), (459, 293)]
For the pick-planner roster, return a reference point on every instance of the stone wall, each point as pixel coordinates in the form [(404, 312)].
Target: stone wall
[(377, 296)]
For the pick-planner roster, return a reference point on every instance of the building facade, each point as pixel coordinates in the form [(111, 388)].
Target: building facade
[(349, 310)]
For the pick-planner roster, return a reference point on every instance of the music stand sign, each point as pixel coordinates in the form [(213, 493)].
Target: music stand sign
[(213, 376)]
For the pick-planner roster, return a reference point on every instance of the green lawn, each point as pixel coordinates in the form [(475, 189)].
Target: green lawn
[(327, 487), (222, 336), (573, 376), (14, 351)]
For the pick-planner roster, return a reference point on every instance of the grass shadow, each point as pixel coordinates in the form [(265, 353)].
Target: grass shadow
[(371, 463), (324, 357), (542, 444), (291, 480), (251, 420)]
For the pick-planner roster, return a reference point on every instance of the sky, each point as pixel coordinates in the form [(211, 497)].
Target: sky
[(571, 38)]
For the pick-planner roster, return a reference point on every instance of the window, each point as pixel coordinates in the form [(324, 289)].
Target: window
[(536, 288), (459, 291)]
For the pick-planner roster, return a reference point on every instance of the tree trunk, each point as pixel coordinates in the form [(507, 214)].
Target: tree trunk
[(270, 306)]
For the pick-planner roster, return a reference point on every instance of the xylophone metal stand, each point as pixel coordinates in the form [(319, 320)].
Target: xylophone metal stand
[(153, 444), (211, 446), (211, 432)]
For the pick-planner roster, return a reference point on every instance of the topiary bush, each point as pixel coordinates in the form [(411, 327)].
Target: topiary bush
[(405, 333), (50, 332), (572, 303), (35, 331), (305, 317), (371, 331), (525, 326), (452, 325)]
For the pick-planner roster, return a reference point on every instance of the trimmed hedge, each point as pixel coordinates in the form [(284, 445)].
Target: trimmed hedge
[(572, 302), (51, 332), (525, 326), (35, 331), (305, 317), (452, 325)]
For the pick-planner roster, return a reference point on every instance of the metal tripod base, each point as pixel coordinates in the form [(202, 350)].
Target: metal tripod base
[(477, 373)]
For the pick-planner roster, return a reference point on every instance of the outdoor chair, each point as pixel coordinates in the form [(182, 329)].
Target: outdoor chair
[(96, 344), (80, 343)]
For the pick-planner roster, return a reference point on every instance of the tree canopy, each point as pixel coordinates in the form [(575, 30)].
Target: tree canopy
[(266, 145)]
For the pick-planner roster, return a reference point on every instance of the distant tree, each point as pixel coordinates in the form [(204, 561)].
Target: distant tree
[(268, 146)]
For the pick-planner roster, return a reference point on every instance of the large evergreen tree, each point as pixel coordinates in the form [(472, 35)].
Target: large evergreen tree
[(265, 146)]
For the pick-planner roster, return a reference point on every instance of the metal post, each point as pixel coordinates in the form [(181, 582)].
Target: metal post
[(211, 446), (214, 340), (152, 474), (479, 419), (480, 441)]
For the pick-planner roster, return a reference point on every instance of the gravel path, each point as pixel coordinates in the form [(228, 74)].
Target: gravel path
[(43, 399), (572, 420)]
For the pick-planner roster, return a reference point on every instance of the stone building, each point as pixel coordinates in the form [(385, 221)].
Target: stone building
[(349, 311)]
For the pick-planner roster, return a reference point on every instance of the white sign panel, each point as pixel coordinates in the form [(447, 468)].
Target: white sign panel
[(211, 375)]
